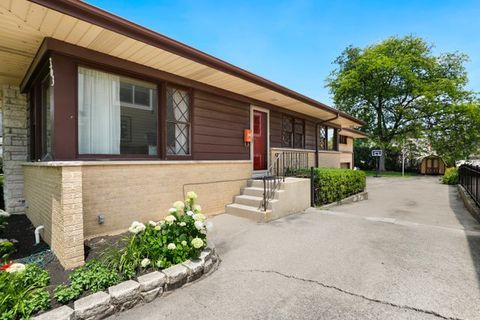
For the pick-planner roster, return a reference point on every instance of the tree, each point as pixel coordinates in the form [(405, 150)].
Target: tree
[(396, 85), (454, 131)]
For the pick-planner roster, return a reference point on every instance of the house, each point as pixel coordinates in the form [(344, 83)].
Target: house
[(106, 122)]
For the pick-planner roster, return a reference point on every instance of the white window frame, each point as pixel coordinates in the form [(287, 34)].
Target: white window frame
[(135, 105)]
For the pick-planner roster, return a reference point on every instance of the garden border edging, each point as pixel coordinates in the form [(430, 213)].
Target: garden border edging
[(354, 198), (130, 293)]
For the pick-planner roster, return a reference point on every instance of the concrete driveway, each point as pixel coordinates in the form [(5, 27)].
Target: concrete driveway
[(410, 252)]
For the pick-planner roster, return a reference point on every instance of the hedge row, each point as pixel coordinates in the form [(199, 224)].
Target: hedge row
[(333, 185)]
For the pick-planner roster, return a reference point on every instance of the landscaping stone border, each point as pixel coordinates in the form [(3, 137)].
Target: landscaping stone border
[(355, 198), (130, 293)]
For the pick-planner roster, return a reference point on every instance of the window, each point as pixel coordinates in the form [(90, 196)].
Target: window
[(287, 132), (322, 137), (332, 139), (293, 133), (342, 139), (298, 140), (136, 95), (178, 121), (46, 114), (116, 115)]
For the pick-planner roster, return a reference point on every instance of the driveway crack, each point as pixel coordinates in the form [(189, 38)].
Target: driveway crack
[(328, 286)]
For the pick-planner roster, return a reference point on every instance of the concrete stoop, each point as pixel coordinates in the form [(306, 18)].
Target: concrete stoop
[(292, 196)]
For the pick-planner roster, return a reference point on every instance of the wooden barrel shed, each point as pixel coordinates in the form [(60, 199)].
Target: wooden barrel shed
[(433, 165)]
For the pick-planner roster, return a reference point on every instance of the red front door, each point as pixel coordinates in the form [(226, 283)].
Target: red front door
[(259, 140)]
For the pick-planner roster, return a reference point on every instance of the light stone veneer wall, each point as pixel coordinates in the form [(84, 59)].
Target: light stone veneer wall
[(67, 197), (15, 147)]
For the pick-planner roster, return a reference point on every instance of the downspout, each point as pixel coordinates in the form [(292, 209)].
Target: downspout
[(316, 136)]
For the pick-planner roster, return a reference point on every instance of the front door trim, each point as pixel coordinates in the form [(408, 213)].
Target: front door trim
[(259, 173)]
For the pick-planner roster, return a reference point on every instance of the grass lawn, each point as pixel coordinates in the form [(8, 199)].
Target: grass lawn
[(391, 174)]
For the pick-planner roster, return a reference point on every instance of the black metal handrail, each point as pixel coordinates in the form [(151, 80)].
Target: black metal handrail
[(284, 163), (469, 179)]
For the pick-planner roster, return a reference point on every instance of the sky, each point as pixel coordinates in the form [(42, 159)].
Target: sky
[(294, 43)]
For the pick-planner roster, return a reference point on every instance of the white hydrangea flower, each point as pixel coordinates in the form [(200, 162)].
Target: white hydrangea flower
[(4, 213), (184, 243), (199, 225), (16, 267), (182, 224), (179, 205), (171, 246), (158, 227), (209, 226), (136, 227), (145, 263), (191, 195), (197, 208), (172, 210), (203, 231), (189, 213), (152, 223), (199, 217), (197, 243), (170, 219), (161, 222)]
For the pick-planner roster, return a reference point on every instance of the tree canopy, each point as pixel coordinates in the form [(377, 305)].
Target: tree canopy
[(400, 88)]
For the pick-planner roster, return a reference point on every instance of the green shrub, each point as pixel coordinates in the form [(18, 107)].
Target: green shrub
[(450, 176), (23, 293), (94, 276), (158, 245), (6, 250), (333, 185)]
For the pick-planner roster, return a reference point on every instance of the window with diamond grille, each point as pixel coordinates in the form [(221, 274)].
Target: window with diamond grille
[(178, 122), (298, 135), (287, 132), (322, 138)]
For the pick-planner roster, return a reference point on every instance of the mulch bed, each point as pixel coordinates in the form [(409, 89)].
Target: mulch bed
[(22, 232)]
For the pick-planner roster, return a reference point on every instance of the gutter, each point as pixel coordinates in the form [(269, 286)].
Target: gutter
[(104, 19)]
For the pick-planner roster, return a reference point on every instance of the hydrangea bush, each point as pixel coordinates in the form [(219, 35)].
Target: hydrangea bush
[(180, 236)]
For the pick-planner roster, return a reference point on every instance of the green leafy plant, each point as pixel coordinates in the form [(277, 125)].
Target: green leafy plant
[(94, 276), (158, 245), (6, 250), (335, 184), (450, 176), (23, 292)]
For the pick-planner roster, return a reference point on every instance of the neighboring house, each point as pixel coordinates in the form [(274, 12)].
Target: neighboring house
[(118, 122)]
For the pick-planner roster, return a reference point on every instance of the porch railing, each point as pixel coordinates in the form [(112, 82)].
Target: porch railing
[(469, 178), (283, 164)]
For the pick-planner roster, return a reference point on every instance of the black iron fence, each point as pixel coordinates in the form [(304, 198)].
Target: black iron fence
[(469, 178)]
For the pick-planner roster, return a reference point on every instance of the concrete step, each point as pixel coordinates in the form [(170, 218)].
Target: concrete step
[(253, 201), (256, 183), (258, 192), (247, 200), (248, 212)]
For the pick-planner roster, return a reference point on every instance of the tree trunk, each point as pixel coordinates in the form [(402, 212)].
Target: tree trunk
[(382, 161)]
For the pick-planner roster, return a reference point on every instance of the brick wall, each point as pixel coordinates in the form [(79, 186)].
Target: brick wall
[(15, 147), (124, 192), (67, 197), (54, 199), (329, 159)]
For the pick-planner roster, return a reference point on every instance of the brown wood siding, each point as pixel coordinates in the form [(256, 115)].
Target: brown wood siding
[(218, 125)]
